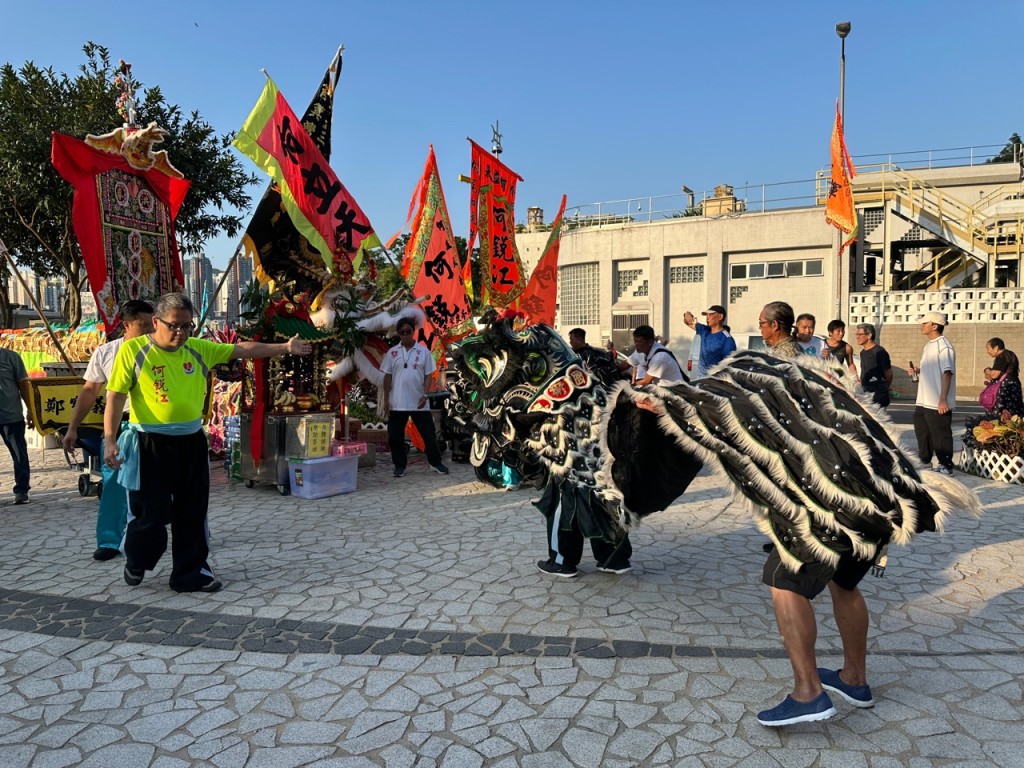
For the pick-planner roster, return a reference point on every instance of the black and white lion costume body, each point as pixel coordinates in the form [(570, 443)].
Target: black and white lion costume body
[(822, 472)]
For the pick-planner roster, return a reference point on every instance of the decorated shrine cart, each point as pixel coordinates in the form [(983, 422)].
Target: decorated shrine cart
[(284, 413)]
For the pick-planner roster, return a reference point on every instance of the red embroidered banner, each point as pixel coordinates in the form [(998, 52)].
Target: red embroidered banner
[(124, 220), (318, 203), (492, 200), (540, 298), (431, 265)]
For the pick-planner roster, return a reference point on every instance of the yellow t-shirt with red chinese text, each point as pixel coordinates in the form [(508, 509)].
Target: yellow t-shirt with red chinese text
[(165, 387)]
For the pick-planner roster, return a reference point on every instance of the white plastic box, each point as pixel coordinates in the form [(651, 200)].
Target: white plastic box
[(320, 478)]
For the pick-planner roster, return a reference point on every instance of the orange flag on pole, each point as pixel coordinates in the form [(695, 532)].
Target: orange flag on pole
[(539, 300), (839, 211)]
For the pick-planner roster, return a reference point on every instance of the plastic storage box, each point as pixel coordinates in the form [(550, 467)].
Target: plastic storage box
[(320, 478)]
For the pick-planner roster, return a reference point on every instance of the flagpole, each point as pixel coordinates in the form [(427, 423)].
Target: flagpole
[(39, 310)]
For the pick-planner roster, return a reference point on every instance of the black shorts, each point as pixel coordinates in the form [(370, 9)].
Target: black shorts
[(812, 578)]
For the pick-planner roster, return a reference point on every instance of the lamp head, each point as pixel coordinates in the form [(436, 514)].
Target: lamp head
[(843, 29)]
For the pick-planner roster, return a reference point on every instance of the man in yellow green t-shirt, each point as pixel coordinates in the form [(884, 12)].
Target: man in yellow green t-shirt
[(163, 454)]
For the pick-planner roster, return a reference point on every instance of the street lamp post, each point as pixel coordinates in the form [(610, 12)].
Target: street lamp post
[(842, 29)]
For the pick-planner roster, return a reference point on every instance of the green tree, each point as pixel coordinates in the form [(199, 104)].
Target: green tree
[(35, 202), (1010, 153)]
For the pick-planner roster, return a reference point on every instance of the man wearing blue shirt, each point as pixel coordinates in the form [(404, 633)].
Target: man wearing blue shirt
[(716, 343)]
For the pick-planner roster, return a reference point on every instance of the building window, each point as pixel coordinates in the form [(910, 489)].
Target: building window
[(693, 274), (579, 299), (625, 279), (642, 289), (776, 269)]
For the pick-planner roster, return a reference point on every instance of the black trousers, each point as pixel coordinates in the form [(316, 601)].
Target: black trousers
[(565, 544), (174, 489), (424, 421), (934, 432)]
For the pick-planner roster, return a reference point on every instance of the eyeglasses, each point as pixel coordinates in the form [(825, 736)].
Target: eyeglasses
[(764, 322), (178, 327), (406, 332)]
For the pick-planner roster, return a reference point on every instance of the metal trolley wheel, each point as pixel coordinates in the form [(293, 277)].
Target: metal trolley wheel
[(283, 489), (250, 483), (84, 485)]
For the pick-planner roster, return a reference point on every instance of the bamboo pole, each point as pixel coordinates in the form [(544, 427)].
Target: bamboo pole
[(39, 310)]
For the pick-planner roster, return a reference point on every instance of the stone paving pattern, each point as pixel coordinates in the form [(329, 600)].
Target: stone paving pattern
[(405, 625)]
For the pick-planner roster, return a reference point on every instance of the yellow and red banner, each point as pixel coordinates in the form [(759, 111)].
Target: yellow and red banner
[(492, 200), (320, 207), (839, 210), (540, 298), (431, 265)]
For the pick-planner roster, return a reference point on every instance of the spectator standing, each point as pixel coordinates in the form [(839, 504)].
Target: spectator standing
[(716, 343), (875, 365), (13, 392), (836, 349), (936, 395), (804, 335), (112, 516), (407, 369), (163, 453), (1005, 365)]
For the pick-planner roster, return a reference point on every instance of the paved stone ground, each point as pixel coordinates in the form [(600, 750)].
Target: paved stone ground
[(405, 625)]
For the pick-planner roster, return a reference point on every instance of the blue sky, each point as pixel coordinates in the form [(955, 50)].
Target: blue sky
[(598, 100)]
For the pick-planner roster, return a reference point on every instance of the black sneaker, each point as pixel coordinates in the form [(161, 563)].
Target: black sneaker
[(617, 569), (399, 473), (213, 586), (553, 569), (22, 498), (133, 578), (105, 553), (441, 469)]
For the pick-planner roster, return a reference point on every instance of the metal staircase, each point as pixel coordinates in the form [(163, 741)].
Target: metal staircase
[(978, 234)]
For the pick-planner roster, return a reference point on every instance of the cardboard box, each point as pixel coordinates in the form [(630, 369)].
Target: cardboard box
[(320, 478), (309, 436)]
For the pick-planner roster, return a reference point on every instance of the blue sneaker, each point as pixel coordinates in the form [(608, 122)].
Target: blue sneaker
[(858, 695), (791, 711)]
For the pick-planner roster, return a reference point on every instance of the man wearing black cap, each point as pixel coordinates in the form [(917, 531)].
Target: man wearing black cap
[(716, 343)]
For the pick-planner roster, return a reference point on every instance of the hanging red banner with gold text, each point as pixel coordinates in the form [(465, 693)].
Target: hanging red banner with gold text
[(492, 215)]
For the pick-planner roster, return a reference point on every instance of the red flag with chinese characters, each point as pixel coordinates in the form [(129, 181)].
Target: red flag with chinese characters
[(319, 205), (540, 298), (839, 211), (492, 216), (431, 265)]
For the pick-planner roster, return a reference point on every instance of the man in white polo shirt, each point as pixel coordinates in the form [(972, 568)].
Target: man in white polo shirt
[(936, 395)]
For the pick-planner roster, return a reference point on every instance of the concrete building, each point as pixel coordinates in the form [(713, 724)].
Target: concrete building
[(945, 237), (199, 281), (241, 272)]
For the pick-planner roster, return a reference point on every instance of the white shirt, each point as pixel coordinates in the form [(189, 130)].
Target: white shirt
[(812, 346), (102, 363), (663, 367), (407, 367), (639, 363), (937, 358)]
